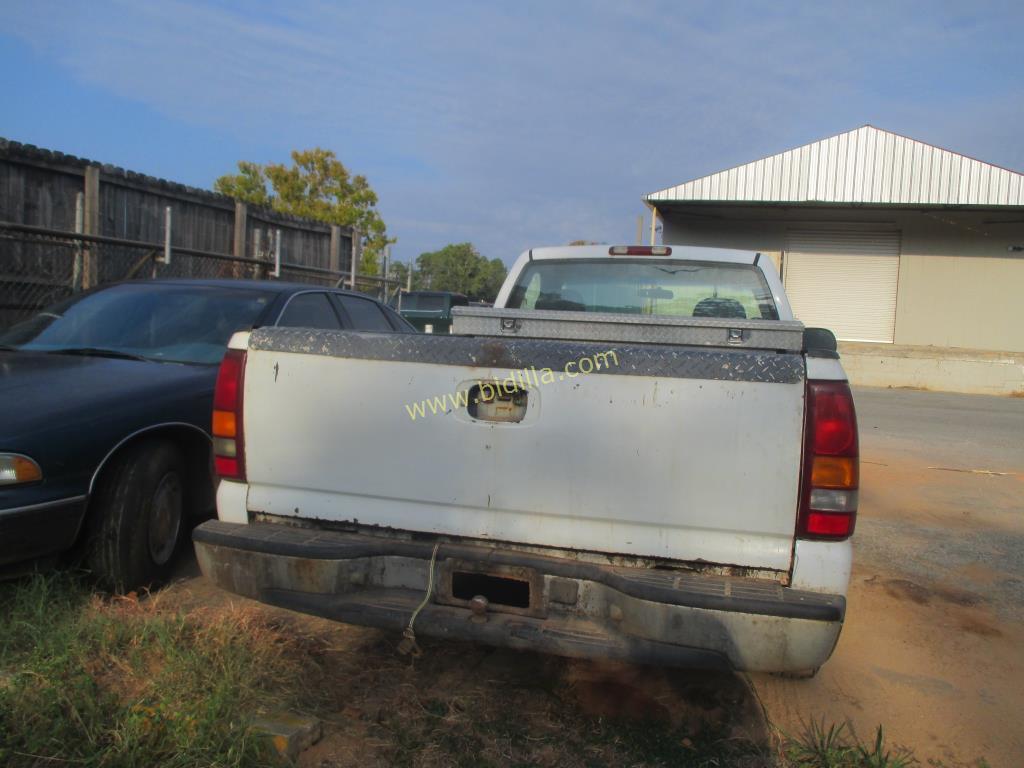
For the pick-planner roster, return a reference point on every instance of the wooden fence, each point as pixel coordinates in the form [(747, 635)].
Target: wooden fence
[(60, 193)]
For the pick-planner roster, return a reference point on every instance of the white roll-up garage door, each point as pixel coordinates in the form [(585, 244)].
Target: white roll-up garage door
[(844, 281)]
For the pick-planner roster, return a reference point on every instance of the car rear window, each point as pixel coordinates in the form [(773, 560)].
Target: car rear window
[(309, 310), (365, 314), (673, 288)]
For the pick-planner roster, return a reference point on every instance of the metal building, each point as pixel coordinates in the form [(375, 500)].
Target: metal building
[(913, 255)]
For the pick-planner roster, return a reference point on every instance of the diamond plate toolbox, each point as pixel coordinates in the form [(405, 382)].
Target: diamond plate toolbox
[(781, 335)]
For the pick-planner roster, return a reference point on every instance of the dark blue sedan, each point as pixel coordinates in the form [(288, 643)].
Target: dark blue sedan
[(105, 406)]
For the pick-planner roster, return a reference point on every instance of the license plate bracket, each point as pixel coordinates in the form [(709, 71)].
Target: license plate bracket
[(508, 588)]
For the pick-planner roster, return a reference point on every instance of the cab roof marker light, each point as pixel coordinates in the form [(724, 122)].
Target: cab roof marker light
[(640, 250)]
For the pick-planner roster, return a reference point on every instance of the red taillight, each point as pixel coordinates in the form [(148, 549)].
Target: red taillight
[(228, 446), (835, 426), (640, 250), (830, 524), (828, 493)]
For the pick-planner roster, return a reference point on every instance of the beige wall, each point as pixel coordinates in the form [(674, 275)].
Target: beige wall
[(961, 301), (946, 370), (958, 284), (960, 287)]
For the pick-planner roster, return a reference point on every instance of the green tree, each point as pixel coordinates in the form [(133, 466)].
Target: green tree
[(460, 267), (317, 186), (492, 276)]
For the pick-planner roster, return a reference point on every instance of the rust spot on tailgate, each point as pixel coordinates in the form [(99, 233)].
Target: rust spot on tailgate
[(496, 354)]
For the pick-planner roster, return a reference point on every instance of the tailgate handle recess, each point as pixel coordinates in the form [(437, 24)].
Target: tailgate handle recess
[(497, 402)]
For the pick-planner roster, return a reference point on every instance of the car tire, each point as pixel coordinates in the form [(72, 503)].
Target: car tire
[(137, 517)]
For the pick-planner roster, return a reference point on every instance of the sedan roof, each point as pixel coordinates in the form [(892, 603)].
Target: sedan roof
[(246, 284)]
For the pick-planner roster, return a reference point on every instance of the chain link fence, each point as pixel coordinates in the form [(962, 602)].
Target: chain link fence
[(39, 267)]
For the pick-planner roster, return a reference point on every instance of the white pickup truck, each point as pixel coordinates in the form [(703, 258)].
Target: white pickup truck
[(638, 453)]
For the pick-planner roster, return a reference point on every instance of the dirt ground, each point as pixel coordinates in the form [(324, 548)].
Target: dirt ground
[(473, 705), (931, 649), (933, 643)]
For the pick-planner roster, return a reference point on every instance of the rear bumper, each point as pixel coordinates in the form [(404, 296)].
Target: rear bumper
[(574, 608)]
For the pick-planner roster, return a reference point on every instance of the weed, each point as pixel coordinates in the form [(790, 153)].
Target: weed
[(819, 746), (879, 757)]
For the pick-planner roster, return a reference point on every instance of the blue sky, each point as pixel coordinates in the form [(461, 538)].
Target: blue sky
[(506, 124)]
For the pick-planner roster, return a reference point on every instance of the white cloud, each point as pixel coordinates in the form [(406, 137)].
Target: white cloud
[(530, 123)]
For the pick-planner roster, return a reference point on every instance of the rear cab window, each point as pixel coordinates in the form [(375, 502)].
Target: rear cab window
[(673, 288)]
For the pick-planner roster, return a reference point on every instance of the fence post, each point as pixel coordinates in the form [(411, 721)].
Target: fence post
[(238, 240), (335, 253), (76, 270), (91, 224), (277, 253), (357, 251), (166, 258), (257, 253), (241, 214)]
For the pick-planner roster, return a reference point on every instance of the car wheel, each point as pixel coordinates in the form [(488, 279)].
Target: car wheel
[(138, 517)]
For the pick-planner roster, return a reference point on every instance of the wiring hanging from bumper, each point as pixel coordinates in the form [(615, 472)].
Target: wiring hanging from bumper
[(407, 645)]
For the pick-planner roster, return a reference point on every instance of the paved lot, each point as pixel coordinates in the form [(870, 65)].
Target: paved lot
[(931, 647), (954, 430), (943, 496)]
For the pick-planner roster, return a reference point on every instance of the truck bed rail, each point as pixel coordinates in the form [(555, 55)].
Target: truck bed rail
[(517, 354)]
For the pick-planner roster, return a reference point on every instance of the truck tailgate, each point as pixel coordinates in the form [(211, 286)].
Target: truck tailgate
[(684, 453)]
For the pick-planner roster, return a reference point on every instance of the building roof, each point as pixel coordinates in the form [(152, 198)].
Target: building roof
[(864, 166)]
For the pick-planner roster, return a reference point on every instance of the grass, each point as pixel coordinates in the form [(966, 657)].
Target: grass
[(110, 682), (832, 746), (92, 682)]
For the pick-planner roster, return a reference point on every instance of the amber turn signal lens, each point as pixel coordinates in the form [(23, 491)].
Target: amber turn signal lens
[(15, 468), (834, 472), (224, 424)]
